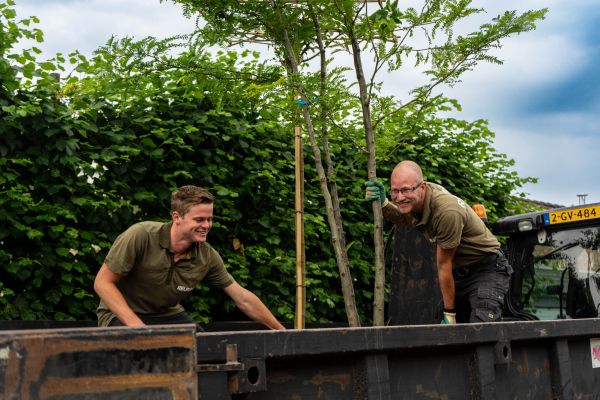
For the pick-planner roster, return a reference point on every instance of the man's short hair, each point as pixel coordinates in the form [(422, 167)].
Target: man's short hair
[(187, 196)]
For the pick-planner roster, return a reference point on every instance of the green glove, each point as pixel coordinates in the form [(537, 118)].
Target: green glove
[(449, 318), (375, 190)]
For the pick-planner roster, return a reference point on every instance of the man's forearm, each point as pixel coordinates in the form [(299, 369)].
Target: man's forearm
[(115, 301), (256, 310), (446, 284), (391, 212)]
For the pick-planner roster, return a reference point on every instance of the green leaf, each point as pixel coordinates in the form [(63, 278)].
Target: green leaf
[(62, 252), (274, 239), (37, 305), (148, 142), (12, 268), (284, 290), (27, 315), (59, 316), (32, 234), (53, 296), (349, 245), (67, 290)]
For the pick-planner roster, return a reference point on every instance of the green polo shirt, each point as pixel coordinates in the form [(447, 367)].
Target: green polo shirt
[(152, 283), (448, 222)]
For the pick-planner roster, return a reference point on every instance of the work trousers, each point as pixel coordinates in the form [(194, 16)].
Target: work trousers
[(181, 318), (479, 297)]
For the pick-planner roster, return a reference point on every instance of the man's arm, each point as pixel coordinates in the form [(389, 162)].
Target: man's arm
[(105, 286), (391, 212), (444, 265), (252, 306), (376, 191)]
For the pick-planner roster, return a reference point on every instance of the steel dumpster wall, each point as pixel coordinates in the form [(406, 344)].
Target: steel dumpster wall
[(522, 360), (512, 360), (111, 363)]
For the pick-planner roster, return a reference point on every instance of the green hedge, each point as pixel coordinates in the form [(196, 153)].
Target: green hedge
[(79, 166)]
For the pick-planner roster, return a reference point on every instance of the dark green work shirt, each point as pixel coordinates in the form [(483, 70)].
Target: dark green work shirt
[(449, 222), (152, 282)]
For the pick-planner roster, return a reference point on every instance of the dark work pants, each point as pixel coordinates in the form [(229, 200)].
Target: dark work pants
[(181, 318), (480, 297)]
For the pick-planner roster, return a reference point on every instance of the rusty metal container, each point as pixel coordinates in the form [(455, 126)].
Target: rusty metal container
[(92, 363)]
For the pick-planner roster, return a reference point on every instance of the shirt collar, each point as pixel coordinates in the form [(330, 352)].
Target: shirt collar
[(165, 235), (426, 205), (165, 241)]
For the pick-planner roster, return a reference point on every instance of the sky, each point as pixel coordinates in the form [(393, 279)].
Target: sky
[(543, 103)]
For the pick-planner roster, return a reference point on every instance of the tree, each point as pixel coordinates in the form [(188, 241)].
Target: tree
[(301, 31)]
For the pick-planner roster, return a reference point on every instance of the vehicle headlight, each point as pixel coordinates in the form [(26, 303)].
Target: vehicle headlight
[(525, 225)]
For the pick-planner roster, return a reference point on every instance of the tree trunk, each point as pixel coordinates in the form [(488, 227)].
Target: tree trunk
[(330, 170), (336, 235), (379, 291)]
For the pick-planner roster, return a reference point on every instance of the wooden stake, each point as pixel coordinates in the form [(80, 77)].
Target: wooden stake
[(299, 321)]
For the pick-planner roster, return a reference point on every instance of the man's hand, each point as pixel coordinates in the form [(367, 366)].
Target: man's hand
[(105, 286), (449, 318), (252, 306), (375, 190)]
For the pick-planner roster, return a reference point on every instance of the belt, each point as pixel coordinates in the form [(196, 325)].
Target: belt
[(460, 273)]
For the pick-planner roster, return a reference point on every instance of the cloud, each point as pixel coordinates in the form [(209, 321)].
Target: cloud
[(561, 163), (543, 103), (70, 25)]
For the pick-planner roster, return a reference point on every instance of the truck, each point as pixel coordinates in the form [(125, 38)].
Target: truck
[(546, 347)]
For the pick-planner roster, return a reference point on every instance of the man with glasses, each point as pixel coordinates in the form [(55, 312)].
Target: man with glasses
[(472, 271)]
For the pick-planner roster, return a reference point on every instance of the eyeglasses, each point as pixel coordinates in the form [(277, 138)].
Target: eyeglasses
[(396, 192)]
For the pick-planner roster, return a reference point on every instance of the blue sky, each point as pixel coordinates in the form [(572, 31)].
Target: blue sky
[(543, 103)]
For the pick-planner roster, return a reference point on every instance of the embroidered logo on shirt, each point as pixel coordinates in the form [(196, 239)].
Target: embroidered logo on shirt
[(434, 240), (184, 289), (460, 201)]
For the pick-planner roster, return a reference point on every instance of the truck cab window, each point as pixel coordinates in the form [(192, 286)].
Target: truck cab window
[(566, 283)]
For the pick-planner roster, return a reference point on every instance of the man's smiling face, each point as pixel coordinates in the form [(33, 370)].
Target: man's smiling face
[(407, 180), (196, 223)]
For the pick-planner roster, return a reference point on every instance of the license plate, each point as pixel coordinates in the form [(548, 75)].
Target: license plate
[(575, 214)]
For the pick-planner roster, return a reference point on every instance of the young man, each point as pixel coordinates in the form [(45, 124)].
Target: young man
[(153, 266), (472, 271)]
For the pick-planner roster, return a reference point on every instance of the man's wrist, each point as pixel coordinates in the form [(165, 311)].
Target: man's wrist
[(450, 310)]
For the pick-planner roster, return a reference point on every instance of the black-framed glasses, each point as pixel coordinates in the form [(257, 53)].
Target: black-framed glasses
[(396, 192)]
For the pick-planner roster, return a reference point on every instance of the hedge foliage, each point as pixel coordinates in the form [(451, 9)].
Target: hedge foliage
[(80, 163)]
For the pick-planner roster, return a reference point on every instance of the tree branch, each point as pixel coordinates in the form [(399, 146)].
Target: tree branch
[(342, 129), (405, 137)]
